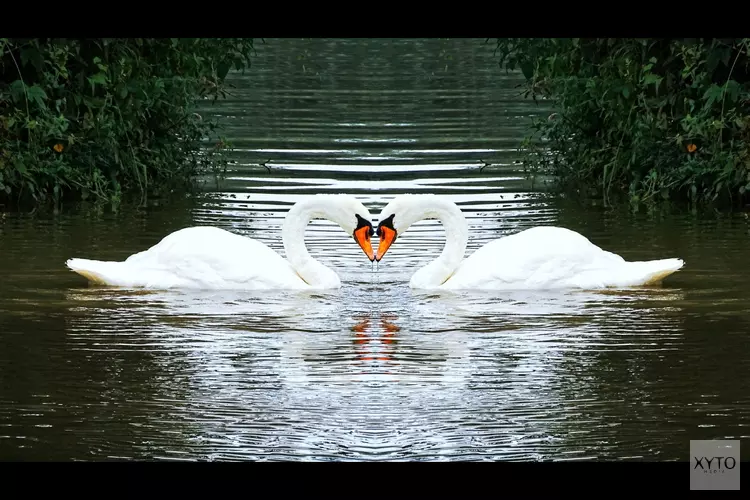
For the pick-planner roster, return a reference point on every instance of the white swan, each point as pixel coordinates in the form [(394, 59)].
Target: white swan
[(537, 258), (205, 257)]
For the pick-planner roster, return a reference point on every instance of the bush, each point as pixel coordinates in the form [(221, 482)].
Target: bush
[(640, 119), (101, 118)]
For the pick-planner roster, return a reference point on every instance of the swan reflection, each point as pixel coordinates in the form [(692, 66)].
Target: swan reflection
[(283, 374)]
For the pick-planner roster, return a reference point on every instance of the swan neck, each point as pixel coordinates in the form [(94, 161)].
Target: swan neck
[(439, 270), (309, 269)]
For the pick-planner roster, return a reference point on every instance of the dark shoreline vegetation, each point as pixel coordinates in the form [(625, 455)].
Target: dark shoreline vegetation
[(109, 119), (639, 121)]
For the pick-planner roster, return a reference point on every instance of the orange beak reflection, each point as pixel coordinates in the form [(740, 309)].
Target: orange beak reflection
[(387, 237), (362, 235)]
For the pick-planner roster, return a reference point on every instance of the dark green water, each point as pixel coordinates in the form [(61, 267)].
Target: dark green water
[(373, 371)]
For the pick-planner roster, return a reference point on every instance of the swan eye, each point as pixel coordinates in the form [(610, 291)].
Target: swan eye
[(362, 223), (387, 222)]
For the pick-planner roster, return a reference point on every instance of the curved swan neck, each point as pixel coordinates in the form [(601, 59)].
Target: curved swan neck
[(299, 216), (439, 270)]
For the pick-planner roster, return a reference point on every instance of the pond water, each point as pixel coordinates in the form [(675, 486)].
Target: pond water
[(373, 371)]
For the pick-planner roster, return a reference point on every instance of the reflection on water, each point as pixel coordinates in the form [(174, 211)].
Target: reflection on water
[(374, 370), (432, 376)]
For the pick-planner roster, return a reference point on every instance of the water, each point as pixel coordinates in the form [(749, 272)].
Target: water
[(373, 371)]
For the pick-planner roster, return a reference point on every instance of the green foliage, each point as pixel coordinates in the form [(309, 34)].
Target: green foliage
[(100, 118), (640, 119)]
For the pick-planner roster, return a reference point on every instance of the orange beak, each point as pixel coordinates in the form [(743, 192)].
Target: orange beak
[(362, 235), (387, 237)]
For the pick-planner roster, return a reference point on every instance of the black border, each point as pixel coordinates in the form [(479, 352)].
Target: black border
[(459, 480)]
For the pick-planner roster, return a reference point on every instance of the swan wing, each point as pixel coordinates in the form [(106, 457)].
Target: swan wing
[(553, 257), (197, 257)]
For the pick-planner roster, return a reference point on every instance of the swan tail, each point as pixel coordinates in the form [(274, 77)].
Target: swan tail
[(652, 272), (101, 272)]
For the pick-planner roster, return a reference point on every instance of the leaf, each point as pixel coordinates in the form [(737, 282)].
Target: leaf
[(726, 54), (33, 56), (36, 94), (714, 56), (527, 69), (652, 78), (99, 78), (733, 91), (18, 91), (713, 93), (222, 70)]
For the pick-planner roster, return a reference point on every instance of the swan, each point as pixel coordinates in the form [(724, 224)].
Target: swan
[(538, 258), (205, 257)]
